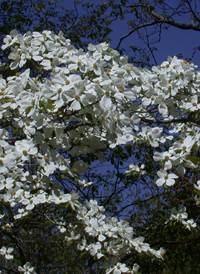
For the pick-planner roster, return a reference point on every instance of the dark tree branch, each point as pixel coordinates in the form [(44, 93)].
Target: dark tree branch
[(162, 19), (129, 256), (180, 120), (193, 13), (133, 30)]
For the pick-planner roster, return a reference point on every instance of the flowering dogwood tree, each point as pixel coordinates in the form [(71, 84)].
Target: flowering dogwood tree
[(64, 103)]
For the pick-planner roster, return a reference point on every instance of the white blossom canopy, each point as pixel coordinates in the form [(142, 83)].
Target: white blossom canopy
[(63, 98)]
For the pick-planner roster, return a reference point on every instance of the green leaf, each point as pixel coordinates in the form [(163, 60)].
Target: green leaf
[(89, 117), (193, 159), (28, 109)]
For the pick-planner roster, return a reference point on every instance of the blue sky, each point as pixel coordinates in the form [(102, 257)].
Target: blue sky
[(173, 41)]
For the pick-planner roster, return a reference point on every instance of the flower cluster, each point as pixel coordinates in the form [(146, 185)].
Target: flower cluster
[(179, 214), (67, 99)]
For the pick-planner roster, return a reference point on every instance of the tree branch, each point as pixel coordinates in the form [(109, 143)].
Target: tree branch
[(133, 30), (180, 120), (162, 19)]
